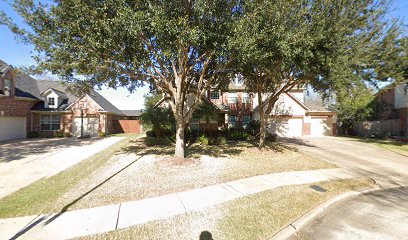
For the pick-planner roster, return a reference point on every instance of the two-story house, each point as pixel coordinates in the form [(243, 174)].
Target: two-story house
[(394, 98), (293, 115), (46, 107)]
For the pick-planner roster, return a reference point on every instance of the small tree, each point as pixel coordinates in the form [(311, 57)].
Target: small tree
[(327, 44), (179, 47)]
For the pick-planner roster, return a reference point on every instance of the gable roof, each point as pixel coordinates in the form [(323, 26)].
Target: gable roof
[(3, 66), (132, 113), (26, 87), (104, 103)]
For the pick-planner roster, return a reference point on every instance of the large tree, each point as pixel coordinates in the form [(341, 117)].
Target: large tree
[(177, 46), (328, 44)]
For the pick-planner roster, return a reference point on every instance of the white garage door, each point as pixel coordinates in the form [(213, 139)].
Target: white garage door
[(287, 127), (321, 127), (12, 128), (91, 127)]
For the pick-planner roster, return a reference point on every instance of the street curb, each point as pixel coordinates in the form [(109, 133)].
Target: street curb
[(293, 228)]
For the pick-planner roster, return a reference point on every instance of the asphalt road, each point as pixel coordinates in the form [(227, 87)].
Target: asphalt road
[(377, 215)]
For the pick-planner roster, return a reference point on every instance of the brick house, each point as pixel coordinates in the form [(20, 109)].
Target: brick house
[(394, 99), (46, 108), (293, 115)]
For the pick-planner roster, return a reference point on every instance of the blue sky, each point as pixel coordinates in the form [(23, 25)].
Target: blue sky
[(17, 54)]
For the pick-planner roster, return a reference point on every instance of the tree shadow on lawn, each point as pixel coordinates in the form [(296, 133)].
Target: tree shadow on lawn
[(195, 150)]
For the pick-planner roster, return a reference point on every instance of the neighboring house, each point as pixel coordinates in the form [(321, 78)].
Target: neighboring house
[(394, 99), (47, 108), (291, 117), (130, 122)]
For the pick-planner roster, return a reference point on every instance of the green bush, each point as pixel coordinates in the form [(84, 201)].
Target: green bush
[(238, 135), (218, 141), (33, 135), (152, 141), (67, 134), (150, 133), (203, 140), (59, 134), (101, 134)]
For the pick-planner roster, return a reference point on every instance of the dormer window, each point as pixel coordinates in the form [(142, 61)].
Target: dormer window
[(7, 87), (239, 80), (51, 102)]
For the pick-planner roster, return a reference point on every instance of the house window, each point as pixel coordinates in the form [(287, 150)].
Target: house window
[(239, 80), (7, 87), (232, 98), (245, 98), (194, 124), (215, 95), (51, 102), (246, 120), (406, 89), (50, 122), (232, 121)]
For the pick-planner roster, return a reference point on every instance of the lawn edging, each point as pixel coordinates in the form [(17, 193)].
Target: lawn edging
[(294, 227)]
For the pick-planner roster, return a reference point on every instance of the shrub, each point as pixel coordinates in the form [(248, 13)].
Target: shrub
[(271, 137), (33, 134), (203, 139), (152, 141), (59, 134), (101, 134), (218, 141), (238, 135), (150, 133), (67, 134)]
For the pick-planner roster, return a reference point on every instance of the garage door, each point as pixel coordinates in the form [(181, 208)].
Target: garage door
[(287, 127), (91, 127), (12, 128), (321, 127)]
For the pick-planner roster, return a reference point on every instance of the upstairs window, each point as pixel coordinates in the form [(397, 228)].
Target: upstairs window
[(245, 98), (406, 89), (215, 95), (232, 98), (7, 87), (239, 80), (51, 102)]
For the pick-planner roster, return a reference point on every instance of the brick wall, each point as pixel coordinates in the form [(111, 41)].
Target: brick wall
[(17, 108)]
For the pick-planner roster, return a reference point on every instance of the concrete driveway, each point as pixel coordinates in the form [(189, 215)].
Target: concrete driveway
[(378, 215), (25, 161)]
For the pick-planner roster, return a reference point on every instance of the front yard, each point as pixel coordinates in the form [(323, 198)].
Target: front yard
[(130, 170)]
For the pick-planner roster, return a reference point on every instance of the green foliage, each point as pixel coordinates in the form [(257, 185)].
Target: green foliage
[(236, 135), (33, 134), (101, 134), (352, 105), (59, 134), (203, 140), (159, 119), (159, 141)]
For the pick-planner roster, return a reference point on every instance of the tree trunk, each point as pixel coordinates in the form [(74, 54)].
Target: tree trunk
[(262, 129), (179, 152)]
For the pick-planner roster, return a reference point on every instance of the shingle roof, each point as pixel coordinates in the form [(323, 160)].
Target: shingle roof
[(26, 86), (132, 113), (57, 86), (316, 105), (3, 66), (104, 103)]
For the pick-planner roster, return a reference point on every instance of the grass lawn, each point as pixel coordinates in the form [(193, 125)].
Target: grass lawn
[(129, 171), (392, 145), (257, 216)]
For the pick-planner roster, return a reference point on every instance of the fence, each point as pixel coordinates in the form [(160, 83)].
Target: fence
[(127, 126), (379, 128)]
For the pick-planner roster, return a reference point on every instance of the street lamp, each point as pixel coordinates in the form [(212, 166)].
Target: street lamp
[(83, 107)]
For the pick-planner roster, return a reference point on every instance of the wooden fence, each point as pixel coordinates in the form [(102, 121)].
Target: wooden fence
[(127, 126)]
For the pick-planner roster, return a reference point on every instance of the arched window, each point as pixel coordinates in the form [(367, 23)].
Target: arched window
[(7, 87)]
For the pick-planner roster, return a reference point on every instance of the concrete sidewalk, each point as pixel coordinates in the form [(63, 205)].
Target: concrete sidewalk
[(107, 218), (20, 173)]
